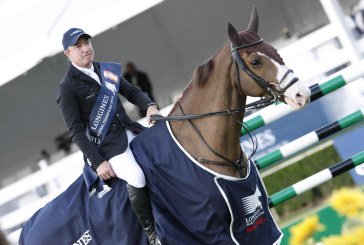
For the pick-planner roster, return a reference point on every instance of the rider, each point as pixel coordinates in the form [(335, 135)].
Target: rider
[(78, 98)]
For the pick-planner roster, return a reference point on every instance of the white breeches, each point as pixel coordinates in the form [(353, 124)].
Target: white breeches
[(125, 166)]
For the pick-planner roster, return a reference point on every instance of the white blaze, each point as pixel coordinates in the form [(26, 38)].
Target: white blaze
[(298, 94)]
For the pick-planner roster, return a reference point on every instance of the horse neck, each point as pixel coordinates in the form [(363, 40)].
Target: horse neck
[(220, 132)]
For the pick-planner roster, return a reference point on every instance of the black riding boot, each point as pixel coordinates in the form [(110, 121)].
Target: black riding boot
[(140, 201)]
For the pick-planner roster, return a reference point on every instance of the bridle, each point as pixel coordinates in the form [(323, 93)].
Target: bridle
[(275, 92)]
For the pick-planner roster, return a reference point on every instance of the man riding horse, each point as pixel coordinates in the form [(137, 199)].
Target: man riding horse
[(202, 186)]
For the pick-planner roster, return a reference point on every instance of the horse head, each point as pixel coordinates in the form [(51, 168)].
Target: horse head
[(262, 70)]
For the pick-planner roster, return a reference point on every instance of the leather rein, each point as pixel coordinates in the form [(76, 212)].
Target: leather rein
[(275, 92)]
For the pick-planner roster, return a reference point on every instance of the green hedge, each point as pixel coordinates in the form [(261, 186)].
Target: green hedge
[(303, 169)]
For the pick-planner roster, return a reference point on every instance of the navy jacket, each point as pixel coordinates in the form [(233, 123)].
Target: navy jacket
[(77, 94)]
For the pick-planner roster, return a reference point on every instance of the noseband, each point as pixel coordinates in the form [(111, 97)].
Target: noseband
[(275, 92)]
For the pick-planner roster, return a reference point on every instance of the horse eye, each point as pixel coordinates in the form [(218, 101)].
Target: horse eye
[(255, 63)]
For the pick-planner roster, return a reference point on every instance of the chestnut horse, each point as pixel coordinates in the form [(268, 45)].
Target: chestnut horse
[(215, 86), (202, 187)]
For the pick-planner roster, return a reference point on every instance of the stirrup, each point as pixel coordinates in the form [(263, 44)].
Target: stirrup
[(152, 236), (154, 240)]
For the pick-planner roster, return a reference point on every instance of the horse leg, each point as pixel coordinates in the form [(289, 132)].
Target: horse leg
[(140, 201)]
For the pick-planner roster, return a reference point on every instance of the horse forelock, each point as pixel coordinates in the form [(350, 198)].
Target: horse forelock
[(263, 47)]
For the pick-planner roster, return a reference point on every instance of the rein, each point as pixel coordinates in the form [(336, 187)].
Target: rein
[(254, 105), (276, 94), (238, 164)]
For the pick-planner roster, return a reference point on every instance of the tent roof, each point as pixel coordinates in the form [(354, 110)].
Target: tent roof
[(33, 29)]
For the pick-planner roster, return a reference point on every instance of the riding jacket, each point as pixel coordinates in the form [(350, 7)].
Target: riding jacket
[(77, 94)]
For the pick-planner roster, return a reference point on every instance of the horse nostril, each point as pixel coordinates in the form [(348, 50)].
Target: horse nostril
[(302, 100), (299, 97)]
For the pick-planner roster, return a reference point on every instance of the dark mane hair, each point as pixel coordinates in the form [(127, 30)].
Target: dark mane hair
[(202, 72), (200, 76)]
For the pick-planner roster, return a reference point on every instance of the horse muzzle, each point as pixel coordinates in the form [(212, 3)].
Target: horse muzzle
[(297, 96)]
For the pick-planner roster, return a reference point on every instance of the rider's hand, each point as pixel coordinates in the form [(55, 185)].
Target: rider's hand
[(105, 171), (152, 110)]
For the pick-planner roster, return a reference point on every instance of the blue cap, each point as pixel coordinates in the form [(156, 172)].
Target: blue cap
[(71, 36)]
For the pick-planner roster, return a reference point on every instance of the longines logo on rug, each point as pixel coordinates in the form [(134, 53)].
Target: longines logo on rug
[(252, 207), (84, 239)]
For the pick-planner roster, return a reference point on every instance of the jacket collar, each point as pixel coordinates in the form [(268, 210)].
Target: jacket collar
[(76, 73)]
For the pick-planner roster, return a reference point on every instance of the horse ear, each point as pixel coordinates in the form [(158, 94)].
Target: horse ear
[(254, 20), (234, 36)]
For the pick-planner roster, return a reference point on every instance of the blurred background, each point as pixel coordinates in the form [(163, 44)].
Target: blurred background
[(166, 39)]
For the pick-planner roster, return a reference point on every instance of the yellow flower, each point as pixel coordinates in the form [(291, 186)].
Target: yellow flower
[(347, 201), (333, 240), (349, 239), (361, 217), (304, 230), (358, 233), (353, 237)]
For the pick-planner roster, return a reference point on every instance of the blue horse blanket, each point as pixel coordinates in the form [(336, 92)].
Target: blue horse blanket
[(194, 205), (75, 218)]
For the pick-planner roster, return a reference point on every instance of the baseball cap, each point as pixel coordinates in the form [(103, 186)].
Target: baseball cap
[(71, 36)]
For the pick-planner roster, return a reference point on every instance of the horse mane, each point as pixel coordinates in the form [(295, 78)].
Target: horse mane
[(202, 73), (200, 77)]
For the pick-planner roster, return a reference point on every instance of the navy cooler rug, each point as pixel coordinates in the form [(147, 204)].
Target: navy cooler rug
[(194, 205), (75, 218)]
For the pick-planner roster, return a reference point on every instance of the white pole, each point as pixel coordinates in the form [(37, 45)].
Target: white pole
[(44, 167), (336, 16)]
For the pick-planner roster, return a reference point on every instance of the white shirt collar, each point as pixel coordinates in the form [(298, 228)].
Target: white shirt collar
[(89, 72)]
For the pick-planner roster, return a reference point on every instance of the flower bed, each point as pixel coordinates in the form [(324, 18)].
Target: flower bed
[(340, 224)]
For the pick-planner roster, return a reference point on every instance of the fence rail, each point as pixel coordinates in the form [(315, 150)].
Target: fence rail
[(310, 139), (316, 179)]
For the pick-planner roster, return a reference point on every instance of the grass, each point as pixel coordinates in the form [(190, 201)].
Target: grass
[(312, 200)]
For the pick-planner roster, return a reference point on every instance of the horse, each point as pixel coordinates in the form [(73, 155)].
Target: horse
[(202, 186), (198, 175)]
